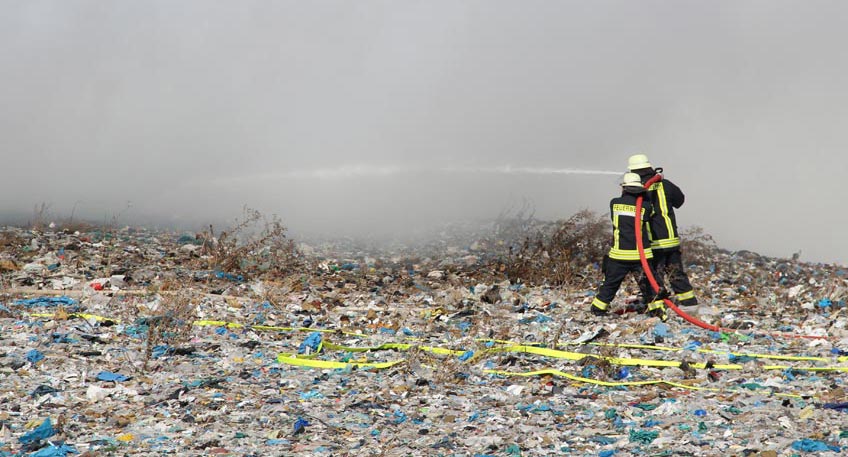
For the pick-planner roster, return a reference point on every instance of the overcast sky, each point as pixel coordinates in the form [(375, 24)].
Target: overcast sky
[(344, 117)]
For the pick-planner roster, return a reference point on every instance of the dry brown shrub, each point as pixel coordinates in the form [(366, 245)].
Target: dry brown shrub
[(40, 213), (10, 240), (171, 323), (256, 245), (71, 226), (560, 253), (698, 247)]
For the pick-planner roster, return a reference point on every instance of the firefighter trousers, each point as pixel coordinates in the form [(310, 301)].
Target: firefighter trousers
[(615, 271), (668, 263)]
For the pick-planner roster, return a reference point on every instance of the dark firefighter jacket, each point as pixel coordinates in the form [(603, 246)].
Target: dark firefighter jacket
[(623, 211), (665, 196)]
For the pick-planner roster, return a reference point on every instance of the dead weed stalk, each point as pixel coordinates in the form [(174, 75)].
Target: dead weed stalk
[(170, 324), (255, 244)]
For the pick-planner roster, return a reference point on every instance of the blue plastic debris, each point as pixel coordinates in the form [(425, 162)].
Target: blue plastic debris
[(541, 318), (540, 408), (43, 431), (42, 390), (62, 338), (276, 442), (466, 355), (618, 423), (700, 413), (788, 374), (311, 343), (513, 450), (300, 425), (837, 406), (399, 417), (808, 445), (312, 394), (62, 450), (229, 276), (661, 330), (601, 439), (740, 358), (47, 301), (109, 376), (608, 453), (643, 436), (160, 350), (825, 303), (137, 331), (34, 356), (622, 373), (538, 318), (692, 345)]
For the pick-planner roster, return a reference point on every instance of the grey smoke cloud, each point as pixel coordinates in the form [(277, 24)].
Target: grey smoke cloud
[(348, 117)]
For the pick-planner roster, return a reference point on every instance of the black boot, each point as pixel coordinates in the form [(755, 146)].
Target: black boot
[(598, 311)]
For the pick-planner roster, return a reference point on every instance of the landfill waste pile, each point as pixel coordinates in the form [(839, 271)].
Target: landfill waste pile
[(479, 343)]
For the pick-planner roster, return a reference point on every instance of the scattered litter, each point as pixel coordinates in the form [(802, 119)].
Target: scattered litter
[(310, 344), (42, 432), (300, 425), (809, 445), (52, 450), (34, 356), (109, 376), (142, 342)]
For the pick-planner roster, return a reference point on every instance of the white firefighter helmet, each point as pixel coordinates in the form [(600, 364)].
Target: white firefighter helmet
[(638, 162), (631, 180)]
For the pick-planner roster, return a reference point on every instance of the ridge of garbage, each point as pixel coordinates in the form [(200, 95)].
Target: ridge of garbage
[(473, 340)]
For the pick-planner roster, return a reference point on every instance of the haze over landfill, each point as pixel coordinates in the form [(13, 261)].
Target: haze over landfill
[(372, 117), (427, 260)]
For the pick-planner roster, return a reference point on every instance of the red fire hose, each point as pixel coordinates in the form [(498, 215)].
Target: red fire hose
[(656, 286), (647, 268)]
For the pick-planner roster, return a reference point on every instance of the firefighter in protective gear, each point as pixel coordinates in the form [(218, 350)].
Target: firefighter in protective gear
[(623, 256), (665, 197)]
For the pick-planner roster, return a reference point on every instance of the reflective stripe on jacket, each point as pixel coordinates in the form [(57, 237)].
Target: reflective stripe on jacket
[(623, 214), (665, 196)]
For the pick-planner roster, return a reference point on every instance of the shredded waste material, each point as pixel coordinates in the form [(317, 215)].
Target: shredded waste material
[(138, 342)]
